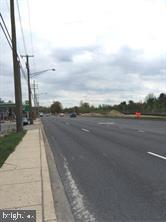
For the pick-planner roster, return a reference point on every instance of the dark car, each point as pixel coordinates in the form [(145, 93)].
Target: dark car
[(73, 115)]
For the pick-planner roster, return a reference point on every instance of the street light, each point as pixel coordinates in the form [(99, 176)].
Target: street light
[(40, 72), (34, 74), (29, 90)]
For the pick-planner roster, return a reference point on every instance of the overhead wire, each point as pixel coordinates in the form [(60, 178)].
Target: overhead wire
[(9, 40), (22, 32), (21, 27), (23, 37), (30, 29), (31, 39), (5, 31)]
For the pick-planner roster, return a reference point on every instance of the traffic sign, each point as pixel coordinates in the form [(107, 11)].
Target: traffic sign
[(26, 108)]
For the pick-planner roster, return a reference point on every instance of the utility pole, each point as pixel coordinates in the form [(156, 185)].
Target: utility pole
[(34, 92), (16, 68), (34, 87), (29, 87)]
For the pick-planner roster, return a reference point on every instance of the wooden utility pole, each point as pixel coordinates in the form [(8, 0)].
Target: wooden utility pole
[(29, 87), (34, 87), (16, 68)]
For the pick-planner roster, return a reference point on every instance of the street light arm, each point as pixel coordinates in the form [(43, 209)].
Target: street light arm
[(40, 72)]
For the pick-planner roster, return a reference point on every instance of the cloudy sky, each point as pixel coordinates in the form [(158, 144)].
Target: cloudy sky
[(104, 51)]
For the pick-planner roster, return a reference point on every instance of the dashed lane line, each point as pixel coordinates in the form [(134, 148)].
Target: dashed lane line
[(106, 123), (85, 130), (141, 131)]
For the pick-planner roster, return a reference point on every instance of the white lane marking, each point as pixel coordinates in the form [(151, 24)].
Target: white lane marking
[(154, 154), (86, 130), (78, 202), (106, 123), (141, 131)]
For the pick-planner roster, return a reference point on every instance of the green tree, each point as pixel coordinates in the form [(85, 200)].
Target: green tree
[(56, 107), (150, 101), (123, 106), (162, 102), (2, 101), (84, 107)]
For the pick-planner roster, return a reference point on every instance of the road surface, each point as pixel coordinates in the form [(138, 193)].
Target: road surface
[(112, 169)]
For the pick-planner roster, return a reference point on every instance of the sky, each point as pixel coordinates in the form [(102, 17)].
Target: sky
[(104, 51)]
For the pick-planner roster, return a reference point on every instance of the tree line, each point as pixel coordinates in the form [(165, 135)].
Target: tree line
[(151, 105)]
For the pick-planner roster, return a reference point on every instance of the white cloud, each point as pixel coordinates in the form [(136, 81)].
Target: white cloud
[(103, 50)]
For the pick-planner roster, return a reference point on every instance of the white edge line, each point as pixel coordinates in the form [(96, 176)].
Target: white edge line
[(141, 131), (85, 130), (154, 154), (106, 123)]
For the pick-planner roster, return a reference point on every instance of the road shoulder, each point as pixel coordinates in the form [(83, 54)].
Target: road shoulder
[(61, 203)]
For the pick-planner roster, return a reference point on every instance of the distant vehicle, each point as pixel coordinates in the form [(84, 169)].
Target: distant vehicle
[(73, 115), (24, 121), (41, 114), (61, 114)]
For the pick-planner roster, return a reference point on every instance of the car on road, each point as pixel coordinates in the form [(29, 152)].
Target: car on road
[(61, 114), (41, 114), (73, 115)]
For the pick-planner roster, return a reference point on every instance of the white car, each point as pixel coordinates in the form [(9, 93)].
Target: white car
[(41, 114), (24, 121)]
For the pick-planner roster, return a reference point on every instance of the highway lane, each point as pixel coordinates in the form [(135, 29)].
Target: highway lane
[(109, 167)]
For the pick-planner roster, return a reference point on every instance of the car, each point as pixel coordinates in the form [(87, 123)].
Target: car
[(41, 114), (24, 121), (73, 115), (61, 114)]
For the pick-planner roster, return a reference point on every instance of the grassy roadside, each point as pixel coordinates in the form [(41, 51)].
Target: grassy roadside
[(143, 117), (8, 144), (148, 117)]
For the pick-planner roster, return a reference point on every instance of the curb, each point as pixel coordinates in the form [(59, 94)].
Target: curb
[(61, 203), (47, 196)]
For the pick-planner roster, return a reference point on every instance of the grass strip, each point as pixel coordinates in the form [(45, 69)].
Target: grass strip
[(8, 144)]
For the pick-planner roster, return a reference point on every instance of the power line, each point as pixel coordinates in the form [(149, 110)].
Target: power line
[(30, 29), (5, 35), (8, 38), (21, 27), (5, 31)]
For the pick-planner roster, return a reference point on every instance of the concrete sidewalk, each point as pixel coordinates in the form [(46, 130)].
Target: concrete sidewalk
[(24, 178)]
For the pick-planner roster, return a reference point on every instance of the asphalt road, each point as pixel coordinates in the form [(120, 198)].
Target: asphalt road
[(112, 169)]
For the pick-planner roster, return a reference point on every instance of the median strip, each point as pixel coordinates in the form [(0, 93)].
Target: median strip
[(154, 154)]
